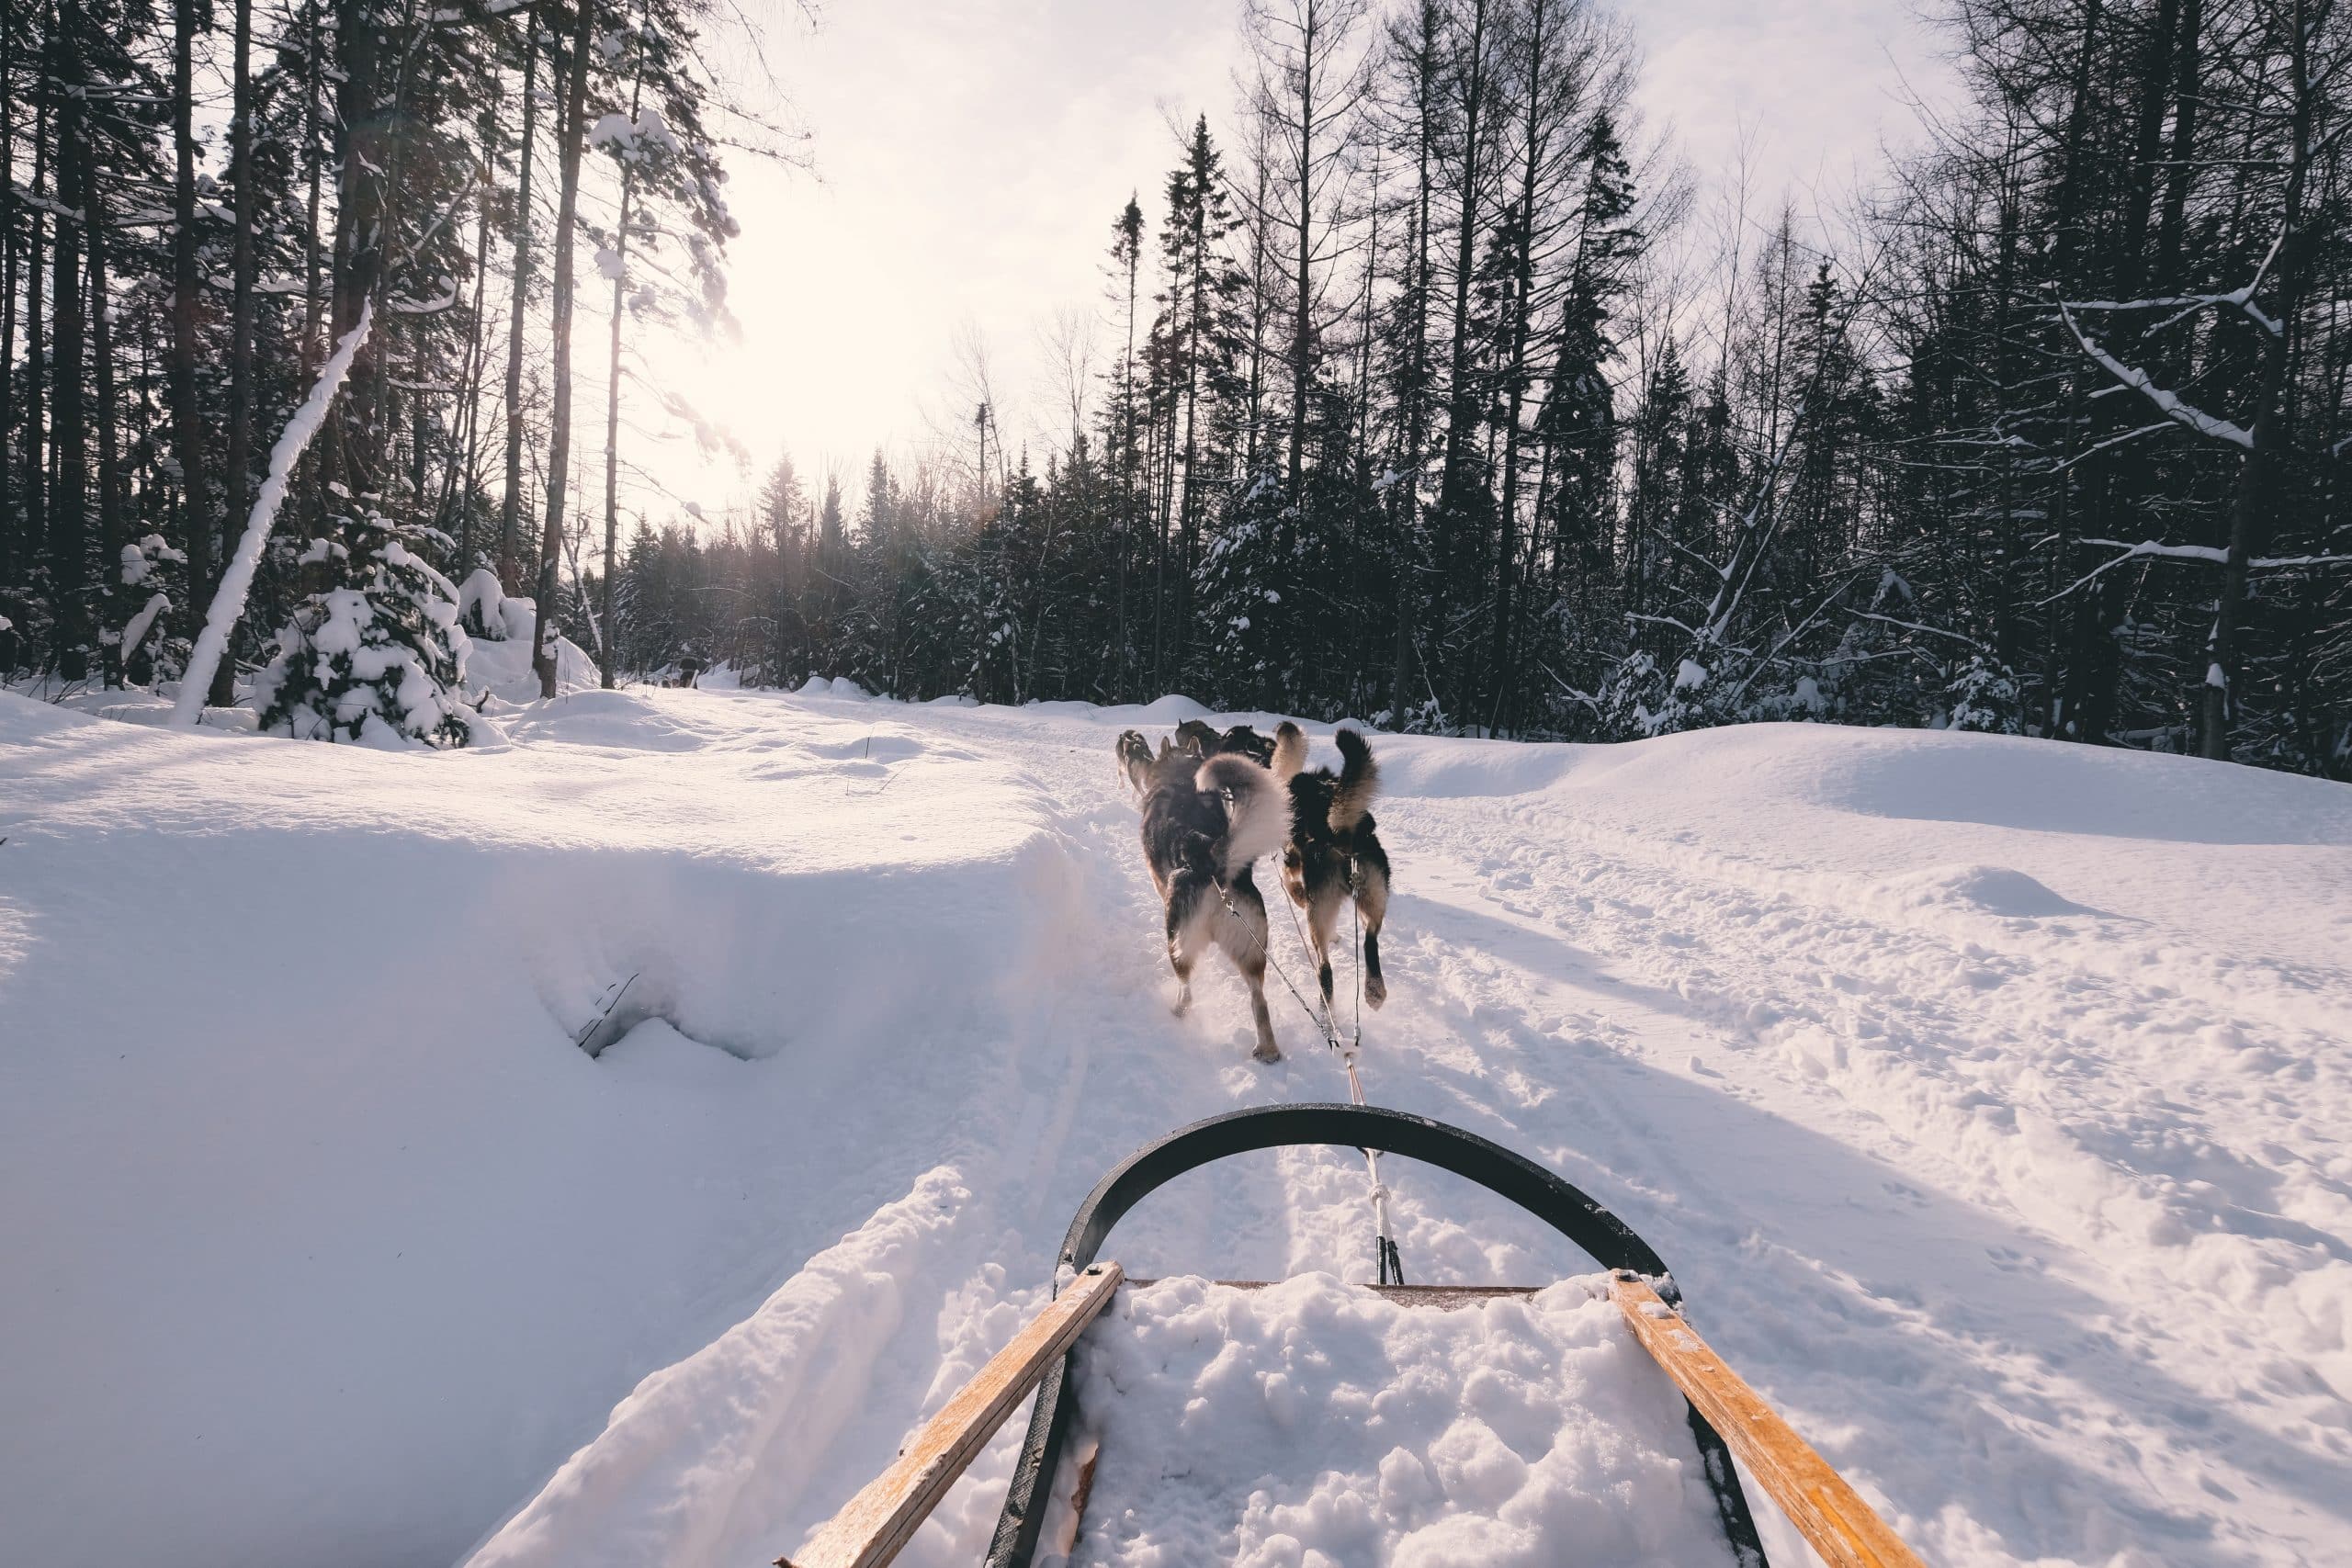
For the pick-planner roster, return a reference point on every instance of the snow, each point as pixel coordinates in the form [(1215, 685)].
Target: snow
[(135, 630), (1989, 1097), (1528, 1431), (663, 1458), (503, 669), (480, 606), (618, 129)]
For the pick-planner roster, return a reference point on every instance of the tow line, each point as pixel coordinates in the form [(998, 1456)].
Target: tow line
[(1389, 1263)]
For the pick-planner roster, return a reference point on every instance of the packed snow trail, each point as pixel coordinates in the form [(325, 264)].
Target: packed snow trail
[(1989, 1098), (1524, 1430)]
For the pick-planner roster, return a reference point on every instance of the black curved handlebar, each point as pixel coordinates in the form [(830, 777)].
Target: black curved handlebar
[(1563, 1207)]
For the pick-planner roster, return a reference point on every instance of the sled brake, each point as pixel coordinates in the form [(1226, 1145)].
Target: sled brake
[(1727, 1418)]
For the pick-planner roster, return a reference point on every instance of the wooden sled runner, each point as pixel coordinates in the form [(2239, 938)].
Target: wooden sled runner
[(1727, 1416)]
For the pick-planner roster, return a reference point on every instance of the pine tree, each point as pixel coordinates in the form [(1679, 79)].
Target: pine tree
[(382, 660)]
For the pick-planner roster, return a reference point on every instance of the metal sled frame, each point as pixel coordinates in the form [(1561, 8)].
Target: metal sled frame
[(878, 1522)]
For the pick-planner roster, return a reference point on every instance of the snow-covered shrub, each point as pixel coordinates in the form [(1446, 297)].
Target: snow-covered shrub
[(488, 614), (379, 658), (154, 576), (1983, 696), (1644, 696), (479, 600)]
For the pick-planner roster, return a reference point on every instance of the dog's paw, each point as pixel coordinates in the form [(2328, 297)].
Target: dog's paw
[(1268, 1053), (1375, 989)]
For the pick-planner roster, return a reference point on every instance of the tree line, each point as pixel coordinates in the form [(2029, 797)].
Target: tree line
[(199, 205), (1434, 398), (1431, 390)]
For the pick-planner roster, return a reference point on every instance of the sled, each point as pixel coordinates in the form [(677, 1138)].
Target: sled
[(1727, 1418)]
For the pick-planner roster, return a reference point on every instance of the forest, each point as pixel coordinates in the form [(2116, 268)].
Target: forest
[(1439, 389)]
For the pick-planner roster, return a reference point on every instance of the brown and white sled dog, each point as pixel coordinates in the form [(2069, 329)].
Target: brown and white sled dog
[(1334, 852), (1204, 825)]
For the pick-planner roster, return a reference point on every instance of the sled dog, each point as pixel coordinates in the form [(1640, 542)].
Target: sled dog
[(1334, 852), (1204, 825), (1240, 741)]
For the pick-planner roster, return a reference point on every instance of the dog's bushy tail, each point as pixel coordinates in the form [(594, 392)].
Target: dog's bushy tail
[(1290, 751), (1257, 810), (1359, 781), (1134, 754)]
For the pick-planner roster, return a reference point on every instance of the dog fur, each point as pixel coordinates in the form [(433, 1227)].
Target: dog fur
[(1206, 824), (1134, 754), (1240, 739), (1334, 850)]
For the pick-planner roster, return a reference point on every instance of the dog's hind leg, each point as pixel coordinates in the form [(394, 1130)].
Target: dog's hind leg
[(1188, 919), (1372, 905), (1242, 931), (1322, 916)]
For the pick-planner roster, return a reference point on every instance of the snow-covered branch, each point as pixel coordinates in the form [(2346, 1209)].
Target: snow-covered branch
[(2171, 404), (432, 307), (2240, 299), (2215, 555), (2206, 555)]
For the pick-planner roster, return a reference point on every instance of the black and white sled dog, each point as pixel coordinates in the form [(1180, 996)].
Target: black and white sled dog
[(1334, 852), (1206, 823)]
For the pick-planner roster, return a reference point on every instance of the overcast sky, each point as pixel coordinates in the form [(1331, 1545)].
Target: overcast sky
[(968, 160)]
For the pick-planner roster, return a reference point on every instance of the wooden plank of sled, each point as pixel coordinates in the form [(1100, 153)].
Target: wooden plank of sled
[(1827, 1511), (881, 1521)]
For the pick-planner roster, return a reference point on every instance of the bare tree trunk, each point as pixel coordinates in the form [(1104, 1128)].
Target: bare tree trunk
[(7, 338), (187, 423), (2249, 505), (1461, 412), (69, 423), (2181, 174), (110, 533), (35, 427), (1302, 341), (313, 351), (573, 132), (509, 517), (1533, 141), (461, 471), (1415, 414), (612, 382), (1130, 506), (239, 477)]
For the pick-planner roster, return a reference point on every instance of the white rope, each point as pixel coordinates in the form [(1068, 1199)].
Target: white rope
[(1385, 1257)]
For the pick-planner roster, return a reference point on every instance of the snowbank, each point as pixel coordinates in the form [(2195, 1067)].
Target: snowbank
[(503, 669), (324, 1236), (697, 1465)]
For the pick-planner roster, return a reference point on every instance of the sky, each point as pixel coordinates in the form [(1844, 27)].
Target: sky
[(966, 160)]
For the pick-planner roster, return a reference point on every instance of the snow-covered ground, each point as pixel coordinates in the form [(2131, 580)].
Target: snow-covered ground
[(1515, 1432), (1992, 1100)]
